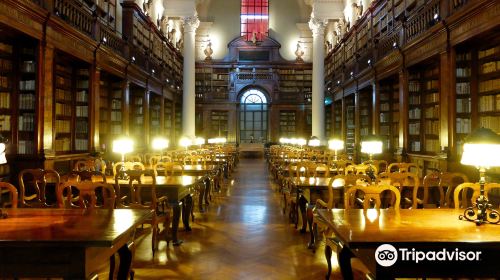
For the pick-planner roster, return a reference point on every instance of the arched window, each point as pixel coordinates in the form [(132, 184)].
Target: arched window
[(254, 18), (253, 117)]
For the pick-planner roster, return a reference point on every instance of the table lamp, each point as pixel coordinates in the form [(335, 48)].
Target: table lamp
[(160, 144), (371, 145), (482, 150), (335, 144), (185, 142), (123, 146), (301, 142), (314, 143), (199, 141)]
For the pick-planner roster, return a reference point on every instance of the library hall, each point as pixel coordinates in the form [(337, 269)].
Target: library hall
[(249, 139)]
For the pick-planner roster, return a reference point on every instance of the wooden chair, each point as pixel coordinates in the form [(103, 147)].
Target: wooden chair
[(90, 164), (7, 187), (372, 194), (402, 180), (464, 202), (33, 186), (361, 169), (194, 159), (134, 158), (381, 165), (141, 199), (445, 182), (168, 169), (403, 167), (86, 194)]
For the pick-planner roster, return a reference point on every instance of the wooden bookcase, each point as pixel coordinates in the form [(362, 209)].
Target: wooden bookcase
[(294, 81), (178, 121), (389, 113), (365, 112), (7, 91), (287, 126), (463, 103), (423, 113), (328, 121), (350, 130), (110, 110), (337, 121), (154, 115), (213, 80), (489, 87), (167, 118), (71, 101), (136, 115)]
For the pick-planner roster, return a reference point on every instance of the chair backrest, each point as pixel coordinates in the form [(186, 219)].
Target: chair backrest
[(305, 169), (128, 165), (140, 198), (475, 187), (90, 164), (442, 180), (402, 167), (12, 193), (400, 180), (360, 169), (341, 165), (371, 193), (85, 194), (32, 186), (333, 184), (87, 175), (134, 158), (194, 159), (168, 169), (322, 170)]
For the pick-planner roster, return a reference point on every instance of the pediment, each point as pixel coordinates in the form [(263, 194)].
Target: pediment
[(244, 51)]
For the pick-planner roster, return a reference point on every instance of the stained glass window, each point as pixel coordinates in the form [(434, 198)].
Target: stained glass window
[(254, 19)]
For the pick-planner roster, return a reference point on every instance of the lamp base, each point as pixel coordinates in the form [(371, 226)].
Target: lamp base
[(481, 212)]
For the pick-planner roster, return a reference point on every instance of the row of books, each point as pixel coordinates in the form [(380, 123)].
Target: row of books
[(489, 103), (116, 116), (5, 64), (62, 145), (26, 122), (27, 101), (4, 123), (463, 88), (415, 146), (4, 100), (82, 96), (82, 126), (116, 129), (6, 48), (463, 72), (63, 95), (63, 82), (464, 105), (414, 99), (27, 85), (63, 126), (25, 147), (414, 128), (490, 67), (490, 122), (432, 145), (28, 66), (82, 84), (488, 52), (63, 109), (432, 112), (414, 114), (364, 131), (82, 111), (81, 144), (431, 98), (489, 85), (431, 127), (4, 82), (386, 117), (463, 125), (463, 56)]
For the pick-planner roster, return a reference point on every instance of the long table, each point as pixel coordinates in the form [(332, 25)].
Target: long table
[(409, 234), (67, 243), (177, 189)]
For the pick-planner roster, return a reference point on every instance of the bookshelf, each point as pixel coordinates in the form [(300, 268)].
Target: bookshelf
[(110, 110), (365, 112), (26, 100), (389, 113), (136, 115), (328, 121), (168, 119), (337, 121), (178, 120), (219, 123), (294, 81), (6, 88), (489, 87), (213, 80), (350, 140), (64, 109), (287, 124), (423, 113), (154, 115), (463, 103), (82, 110)]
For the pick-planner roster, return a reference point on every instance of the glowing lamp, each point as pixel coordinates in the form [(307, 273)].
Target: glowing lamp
[(159, 144), (482, 150), (314, 143), (185, 142), (123, 146), (199, 141), (335, 145)]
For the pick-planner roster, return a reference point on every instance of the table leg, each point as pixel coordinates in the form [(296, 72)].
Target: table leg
[(344, 256), (312, 228), (203, 190), (175, 223), (328, 256), (126, 255), (187, 208), (206, 182), (296, 209), (302, 205)]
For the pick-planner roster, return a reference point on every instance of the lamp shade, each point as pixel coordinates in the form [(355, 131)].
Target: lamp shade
[(481, 149), (159, 143), (335, 144), (371, 145), (185, 142), (314, 143), (199, 141), (123, 146), (301, 141)]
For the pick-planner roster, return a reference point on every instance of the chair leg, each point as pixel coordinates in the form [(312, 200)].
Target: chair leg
[(328, 256), (154, 238)]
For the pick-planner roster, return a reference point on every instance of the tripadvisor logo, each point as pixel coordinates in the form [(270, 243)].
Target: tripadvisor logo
[(386, 255)]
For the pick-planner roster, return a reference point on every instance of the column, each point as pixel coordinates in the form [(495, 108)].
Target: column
[(188, 95), (318, 80)]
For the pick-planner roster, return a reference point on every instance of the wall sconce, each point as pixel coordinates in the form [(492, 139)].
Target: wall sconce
[(208, 51), (335, 144), (299, 53), (482, 150)]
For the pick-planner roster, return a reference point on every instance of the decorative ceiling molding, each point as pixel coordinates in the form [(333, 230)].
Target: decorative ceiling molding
[(327, 9)]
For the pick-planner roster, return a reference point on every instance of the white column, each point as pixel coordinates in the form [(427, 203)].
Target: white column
[(318, 78), (188, 95)]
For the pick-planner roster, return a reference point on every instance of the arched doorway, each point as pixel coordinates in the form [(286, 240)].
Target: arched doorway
[(253, 116)]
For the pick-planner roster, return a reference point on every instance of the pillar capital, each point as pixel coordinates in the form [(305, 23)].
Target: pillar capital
[(190, 23), (317, 26)]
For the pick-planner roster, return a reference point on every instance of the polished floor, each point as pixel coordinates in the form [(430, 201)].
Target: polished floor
[(243, 235)]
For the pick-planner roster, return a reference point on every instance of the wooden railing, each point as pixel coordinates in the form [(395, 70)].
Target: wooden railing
[(385, 27), (75, 14), (113, 40)]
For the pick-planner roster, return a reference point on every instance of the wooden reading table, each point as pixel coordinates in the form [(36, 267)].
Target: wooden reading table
[(67, 243)]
